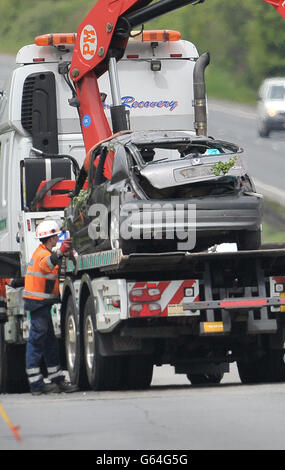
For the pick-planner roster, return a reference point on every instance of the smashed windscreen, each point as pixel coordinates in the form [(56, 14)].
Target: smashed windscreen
[(176, 163)]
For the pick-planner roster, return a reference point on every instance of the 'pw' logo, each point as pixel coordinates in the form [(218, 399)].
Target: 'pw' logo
[(88, 42)]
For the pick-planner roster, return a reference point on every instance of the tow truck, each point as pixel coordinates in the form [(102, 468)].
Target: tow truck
[(122, 313)]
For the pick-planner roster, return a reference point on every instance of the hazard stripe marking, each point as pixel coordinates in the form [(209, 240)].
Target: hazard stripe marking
[(172, 294)]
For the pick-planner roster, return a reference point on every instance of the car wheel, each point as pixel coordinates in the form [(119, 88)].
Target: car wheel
[(250, 240), (116, 241), (263, 131)]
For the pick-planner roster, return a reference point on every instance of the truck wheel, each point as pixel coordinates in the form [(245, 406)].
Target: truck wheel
[(74, 350), (270, 368), (201, 379), (274, 366), (13, 377), (251, 372), (137, 372), (103, 372), (250, 240)]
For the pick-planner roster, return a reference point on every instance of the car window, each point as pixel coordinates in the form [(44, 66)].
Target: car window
[(158, 154), (277, 92)]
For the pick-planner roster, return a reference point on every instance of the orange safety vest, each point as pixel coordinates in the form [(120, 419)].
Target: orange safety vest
[(3, 304), (41, 280)]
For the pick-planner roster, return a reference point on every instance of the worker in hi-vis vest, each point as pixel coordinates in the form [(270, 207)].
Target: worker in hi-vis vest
[(41, 292)]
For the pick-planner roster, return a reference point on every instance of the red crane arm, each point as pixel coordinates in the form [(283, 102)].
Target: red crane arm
[(95, 33), (279, 5)]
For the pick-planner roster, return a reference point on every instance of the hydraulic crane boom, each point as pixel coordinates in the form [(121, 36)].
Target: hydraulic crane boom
[(101, 40)]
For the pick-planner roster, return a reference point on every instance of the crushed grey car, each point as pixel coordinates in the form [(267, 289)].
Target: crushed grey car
[(156, 177)]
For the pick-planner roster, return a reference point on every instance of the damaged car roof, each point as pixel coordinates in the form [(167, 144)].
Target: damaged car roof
[(155, 137)]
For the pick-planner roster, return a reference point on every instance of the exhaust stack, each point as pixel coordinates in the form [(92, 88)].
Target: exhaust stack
[(200, 105), (118, 112)]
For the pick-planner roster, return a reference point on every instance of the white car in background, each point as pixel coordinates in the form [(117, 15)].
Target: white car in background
[(271, 106)]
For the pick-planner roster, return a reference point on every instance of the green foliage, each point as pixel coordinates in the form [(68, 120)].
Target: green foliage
[(244, 37), (22, 20), (271, 234), (80, 199), (223, 167)]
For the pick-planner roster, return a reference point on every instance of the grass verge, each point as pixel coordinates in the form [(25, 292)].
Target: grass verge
[(273, 222)]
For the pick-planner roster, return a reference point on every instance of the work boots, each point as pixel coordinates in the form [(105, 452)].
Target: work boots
[(56, 388), (66, 387)]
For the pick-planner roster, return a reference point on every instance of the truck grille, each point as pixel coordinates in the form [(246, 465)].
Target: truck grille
[(27, 103)]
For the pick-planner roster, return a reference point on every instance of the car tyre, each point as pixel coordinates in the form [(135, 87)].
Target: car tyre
[(116, 241), (249, 240), (263, 131)]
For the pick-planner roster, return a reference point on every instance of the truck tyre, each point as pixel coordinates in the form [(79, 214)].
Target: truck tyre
[(103, 372), (137, 372), (252, 372), (74, 350), (203, 379), (274, 366), (269, 369), (13, 377)]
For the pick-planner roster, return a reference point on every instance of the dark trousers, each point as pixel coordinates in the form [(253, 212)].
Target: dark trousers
[(42, 343)]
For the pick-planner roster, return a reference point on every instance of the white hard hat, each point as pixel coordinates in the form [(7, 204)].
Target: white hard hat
[(47, 228)]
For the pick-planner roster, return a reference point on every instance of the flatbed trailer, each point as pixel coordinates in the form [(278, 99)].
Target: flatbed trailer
[(208, 310), (122, 314)]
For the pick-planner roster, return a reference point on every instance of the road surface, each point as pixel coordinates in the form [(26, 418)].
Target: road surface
[(169, 416), (265, 157)]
